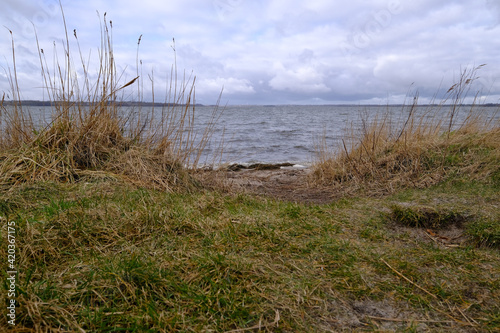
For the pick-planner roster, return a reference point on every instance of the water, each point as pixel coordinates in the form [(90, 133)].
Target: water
[(275, 134)]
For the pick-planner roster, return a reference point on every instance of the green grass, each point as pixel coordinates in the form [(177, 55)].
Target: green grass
[(106, 256)]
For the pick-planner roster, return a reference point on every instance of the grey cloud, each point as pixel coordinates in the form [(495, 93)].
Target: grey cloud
[(286, 51)]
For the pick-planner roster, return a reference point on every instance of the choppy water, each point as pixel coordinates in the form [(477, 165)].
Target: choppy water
[(292, 133), (273, 134), (278, 133)]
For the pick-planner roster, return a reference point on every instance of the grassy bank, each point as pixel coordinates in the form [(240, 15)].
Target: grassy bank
[(116, 231), (89, 133), (103, 253), (421, 148), (107, 256)]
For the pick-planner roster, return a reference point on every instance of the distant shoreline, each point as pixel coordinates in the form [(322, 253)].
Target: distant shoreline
[(132, 103), (125, 103)]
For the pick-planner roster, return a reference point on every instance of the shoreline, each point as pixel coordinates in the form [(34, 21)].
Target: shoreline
[(281, 181), (264, 166), (30, 102)]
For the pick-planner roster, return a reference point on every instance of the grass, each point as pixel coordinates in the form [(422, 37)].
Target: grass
[(114, 231), (90, 135), (385, 155), (108, 256)]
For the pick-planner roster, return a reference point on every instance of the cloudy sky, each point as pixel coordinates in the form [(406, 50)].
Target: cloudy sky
[(272, 51)]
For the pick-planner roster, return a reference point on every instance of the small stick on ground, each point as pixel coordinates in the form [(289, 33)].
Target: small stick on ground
[(404, 277), (259, 326), (427, 292), (412, 320)]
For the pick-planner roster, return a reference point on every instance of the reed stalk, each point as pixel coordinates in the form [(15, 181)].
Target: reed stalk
[(426, 147), (89, 131)]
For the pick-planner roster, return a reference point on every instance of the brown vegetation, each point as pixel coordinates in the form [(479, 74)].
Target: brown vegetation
[(90, 135), (422, 151)]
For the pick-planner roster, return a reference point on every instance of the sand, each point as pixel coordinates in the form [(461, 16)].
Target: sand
[(286, 183)]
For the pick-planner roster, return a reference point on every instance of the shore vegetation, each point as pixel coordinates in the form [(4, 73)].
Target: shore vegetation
[(116, 230), (92, 132)]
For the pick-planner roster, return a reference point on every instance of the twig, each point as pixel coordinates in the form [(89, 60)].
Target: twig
[(259, 325), (413, 320), (429, 293), (451, 317), (435, 241), (474, 323), (471, 321), (350, 159), (404, 277)]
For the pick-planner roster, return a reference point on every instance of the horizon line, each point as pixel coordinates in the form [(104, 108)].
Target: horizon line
[(30, 102)]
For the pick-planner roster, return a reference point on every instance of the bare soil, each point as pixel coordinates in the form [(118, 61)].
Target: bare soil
[(286, 183)]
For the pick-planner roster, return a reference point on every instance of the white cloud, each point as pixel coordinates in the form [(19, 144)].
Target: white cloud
[(305, 79), (228, 85)]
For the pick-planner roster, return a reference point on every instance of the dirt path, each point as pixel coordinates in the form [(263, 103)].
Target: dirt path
[(282, 182)]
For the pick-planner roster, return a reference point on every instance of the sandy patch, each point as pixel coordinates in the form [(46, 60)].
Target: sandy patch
[(287, 183)]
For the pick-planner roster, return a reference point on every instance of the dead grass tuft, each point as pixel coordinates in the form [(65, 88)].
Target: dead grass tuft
[(421, 151), (89, 132)]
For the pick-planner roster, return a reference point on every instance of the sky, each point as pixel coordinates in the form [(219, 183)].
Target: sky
[(266, 52)]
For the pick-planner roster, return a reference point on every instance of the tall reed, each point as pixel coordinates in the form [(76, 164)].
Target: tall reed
[(90, 132), (428, 145)]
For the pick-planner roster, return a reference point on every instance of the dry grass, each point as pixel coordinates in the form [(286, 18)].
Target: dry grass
[(419, 152), (103, 256), (90, 132)]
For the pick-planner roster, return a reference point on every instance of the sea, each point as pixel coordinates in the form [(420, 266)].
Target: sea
[(293, 134), (298, 134)]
